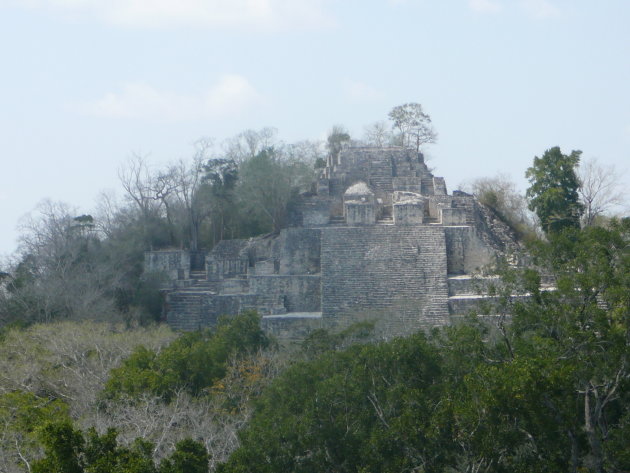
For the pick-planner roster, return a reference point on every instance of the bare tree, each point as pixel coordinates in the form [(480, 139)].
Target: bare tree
[(71, 360), (600, 189), (137, 181), (188, 184), (377, 134), (58, 274), (249, 143)]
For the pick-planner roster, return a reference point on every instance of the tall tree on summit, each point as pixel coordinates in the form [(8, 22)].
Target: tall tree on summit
[(553, 193), (413, 125)]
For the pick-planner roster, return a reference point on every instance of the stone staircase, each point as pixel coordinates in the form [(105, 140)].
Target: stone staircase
[(185, 309), (381, 176), (337, 220), (199, 275), (469, 294)]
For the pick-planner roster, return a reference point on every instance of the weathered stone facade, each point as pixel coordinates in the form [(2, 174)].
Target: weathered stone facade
[(379, 239)]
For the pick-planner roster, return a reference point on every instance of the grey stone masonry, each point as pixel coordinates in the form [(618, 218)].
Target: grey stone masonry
[(390, 272), (175, 264), (377, 238)]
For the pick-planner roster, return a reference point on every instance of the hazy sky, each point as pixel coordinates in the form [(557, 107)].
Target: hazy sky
[(84, 83)]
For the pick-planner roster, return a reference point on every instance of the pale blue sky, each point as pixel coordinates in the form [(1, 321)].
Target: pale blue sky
[(85, 83)]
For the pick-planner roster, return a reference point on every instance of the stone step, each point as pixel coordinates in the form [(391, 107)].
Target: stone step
[(466, 284)]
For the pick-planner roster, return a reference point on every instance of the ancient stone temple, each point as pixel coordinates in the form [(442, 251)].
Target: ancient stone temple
[(379, 238)]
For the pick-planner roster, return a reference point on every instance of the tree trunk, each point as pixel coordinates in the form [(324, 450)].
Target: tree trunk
[(594, 441)]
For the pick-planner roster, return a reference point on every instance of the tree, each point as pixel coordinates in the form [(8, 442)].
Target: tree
[(338, 138), (189, 457), (377, 134), (499, 194), (61, 272), (191, 363), (265, 190), (363, 409), (249, 143), (576, 337), (69, 450), (221, 175), (600, 189), (553, 192), (191, 191), (21, 415), (413, 125), (139, 183)]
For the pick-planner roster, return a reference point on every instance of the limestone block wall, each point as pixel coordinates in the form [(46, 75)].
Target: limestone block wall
[(312, 211), (359, 213), (394, 273), (466, 252), (439, 186), (297, 293), (408, 213), (297, 250), (408, 184), (438, 202), (451, 216), (227, 259), (174, 263)]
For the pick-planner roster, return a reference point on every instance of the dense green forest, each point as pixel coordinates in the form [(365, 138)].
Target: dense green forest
[(93, 382)]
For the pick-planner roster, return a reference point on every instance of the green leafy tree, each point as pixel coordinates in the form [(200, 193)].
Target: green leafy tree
[(68, 450), (571, 342), (22, 414), (363, 409), (193, 362), (189, 457), (553, 192), (547, 392), (268, 184), (63, 446)]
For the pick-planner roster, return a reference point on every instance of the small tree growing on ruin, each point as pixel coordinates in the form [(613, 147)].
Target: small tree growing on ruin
[(413, 125)]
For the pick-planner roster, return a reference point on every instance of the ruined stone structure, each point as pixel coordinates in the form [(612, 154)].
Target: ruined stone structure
[(378, 238)]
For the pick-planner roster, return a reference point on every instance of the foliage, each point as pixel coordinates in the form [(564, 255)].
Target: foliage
[(553, 192), (344, 411), (549, 391), (321, 341), (338, 138), (68, 450), (499, 194), (267, 186), (413, 125), (70, 360), (189, 457), (193, 362), (21, 414)]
